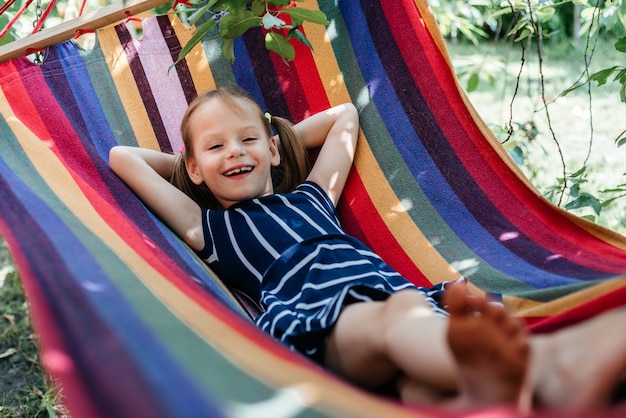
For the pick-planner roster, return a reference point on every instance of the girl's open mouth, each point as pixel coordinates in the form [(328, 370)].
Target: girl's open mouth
[(238, 170)]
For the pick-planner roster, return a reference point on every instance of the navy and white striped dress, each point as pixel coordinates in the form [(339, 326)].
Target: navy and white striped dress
[(289, 252)]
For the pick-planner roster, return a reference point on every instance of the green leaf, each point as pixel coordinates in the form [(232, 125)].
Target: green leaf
[(228, 49), (296, 33), (621, 141), (602, 76), (232, 5), (579, 172), (545, 13), (234, 25), (610, 201), (620, 45), (257, 7), (523, 35), (10, 36), (193, 19), (585, 200), (571, 89), (621, 14), (313, 16), (280, 45), (198, 34), (279, 2), (472, 82), (613, 190)]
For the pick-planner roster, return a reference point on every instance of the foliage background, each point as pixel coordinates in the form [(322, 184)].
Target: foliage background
[(543, 76)]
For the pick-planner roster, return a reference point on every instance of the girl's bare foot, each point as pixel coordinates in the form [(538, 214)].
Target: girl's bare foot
[(491, 349), (578, 368)]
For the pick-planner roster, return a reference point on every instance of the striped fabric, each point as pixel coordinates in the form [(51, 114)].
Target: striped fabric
[(134, 325), (305, 280)]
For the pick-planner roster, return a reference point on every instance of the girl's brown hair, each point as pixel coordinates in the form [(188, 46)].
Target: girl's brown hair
[(294, 158)]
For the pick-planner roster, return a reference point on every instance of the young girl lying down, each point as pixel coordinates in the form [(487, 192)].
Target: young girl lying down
[(274, 236)]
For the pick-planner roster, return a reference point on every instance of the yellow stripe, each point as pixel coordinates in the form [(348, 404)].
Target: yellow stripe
[(527, 308), (127, 88)]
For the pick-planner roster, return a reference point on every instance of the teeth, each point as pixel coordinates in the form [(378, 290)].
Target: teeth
[(238, 170)]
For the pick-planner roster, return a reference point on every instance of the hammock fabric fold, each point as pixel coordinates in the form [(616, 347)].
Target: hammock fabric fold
[(132, 324)]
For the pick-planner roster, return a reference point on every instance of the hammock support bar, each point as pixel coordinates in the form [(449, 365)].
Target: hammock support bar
[(91, 21)]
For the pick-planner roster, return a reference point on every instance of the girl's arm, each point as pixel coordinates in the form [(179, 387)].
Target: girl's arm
[(145, 172), (336, 130)]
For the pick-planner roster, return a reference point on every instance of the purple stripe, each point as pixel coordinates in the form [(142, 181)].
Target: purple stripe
[(261, 69)]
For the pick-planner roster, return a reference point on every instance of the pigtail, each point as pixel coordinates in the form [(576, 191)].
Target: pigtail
[(199, 193), (295, 164)]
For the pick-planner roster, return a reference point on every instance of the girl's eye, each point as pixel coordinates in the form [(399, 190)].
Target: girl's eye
[(249, 139), (214, 146)]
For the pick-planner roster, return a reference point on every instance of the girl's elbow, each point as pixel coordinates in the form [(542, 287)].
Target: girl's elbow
[(114, 155), (352, 114), (349, 109), (352, 117), (118, 157)]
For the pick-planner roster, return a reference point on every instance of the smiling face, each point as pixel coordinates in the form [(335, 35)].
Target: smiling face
[(231, 150)]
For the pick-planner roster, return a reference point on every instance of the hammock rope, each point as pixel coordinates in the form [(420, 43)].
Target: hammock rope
[(15, 17)]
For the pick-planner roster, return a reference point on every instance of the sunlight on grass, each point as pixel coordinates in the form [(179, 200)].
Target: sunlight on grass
[(585, 128)]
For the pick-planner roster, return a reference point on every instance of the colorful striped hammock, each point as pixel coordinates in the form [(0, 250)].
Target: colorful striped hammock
[(132, 324)]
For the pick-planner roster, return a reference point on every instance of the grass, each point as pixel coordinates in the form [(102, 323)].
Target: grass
[(24, 387)]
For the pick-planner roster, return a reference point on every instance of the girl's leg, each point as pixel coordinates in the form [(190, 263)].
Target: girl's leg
[(574, 369), (373, 342), (476, 358)]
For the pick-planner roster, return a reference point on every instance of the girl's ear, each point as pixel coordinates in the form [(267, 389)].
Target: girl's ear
[(192, 170), (274, 152)]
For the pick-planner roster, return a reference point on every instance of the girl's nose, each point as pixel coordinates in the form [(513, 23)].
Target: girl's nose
[(236, 149)]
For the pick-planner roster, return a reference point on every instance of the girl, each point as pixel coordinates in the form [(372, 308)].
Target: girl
[(274, 236)]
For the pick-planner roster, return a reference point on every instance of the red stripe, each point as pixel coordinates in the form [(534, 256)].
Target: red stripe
[(357, 207), (510, 195), (301, 83), (309, 77)]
